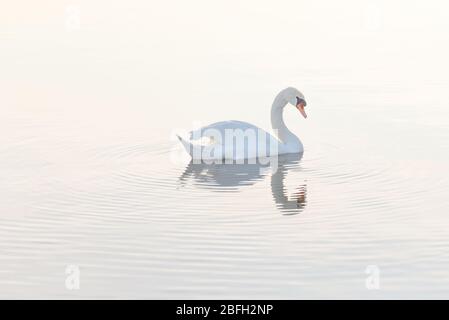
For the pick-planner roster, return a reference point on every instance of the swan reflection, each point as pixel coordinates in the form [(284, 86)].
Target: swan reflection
[(232, 177)]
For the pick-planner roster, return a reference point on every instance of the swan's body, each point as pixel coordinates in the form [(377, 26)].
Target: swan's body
[(222, 137)]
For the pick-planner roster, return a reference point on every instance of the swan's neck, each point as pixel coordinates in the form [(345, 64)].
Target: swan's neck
[(277, 120)]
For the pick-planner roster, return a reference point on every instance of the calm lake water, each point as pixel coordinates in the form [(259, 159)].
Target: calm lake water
[(93, 180)]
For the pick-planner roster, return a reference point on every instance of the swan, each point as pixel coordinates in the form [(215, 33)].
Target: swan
[(241, 140)]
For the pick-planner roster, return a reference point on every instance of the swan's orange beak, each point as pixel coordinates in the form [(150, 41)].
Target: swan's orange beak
[(300, 106)]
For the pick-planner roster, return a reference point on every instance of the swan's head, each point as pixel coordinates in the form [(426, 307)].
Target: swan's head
[(296, 98)]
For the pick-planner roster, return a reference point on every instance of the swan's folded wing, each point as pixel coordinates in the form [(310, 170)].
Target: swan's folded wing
[(213, 129)]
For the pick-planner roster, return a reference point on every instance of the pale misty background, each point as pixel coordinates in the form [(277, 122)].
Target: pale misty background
[(91, 93)]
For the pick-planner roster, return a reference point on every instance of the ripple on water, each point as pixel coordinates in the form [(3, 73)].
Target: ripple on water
[(148, 186), (130, 210)]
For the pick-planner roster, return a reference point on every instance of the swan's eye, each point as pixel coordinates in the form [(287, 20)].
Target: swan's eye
[(299, 100)]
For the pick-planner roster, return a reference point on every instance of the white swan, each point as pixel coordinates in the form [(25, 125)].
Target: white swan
[(222, 137)]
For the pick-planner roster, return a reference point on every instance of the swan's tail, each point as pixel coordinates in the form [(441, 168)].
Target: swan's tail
[(188, 146)]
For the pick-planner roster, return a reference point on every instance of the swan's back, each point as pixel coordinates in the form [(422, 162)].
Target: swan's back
[(248, 141), (221, 127)]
